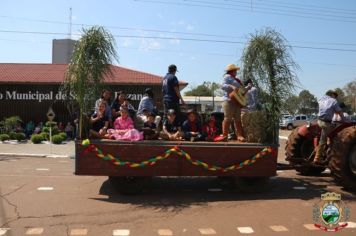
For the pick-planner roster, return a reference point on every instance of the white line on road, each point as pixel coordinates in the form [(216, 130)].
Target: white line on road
[(283, 137), (278, 228), (34, 231), (4, 230), (121, 232), (351, 225), (42, 169), (207, 231), (245, 230), (79, 232), (45, 188), (310, 227), (165, 232)]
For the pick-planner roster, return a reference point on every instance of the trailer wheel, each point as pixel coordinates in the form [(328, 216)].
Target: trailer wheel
[(298, 150), (251, 184), (342, 156), (129, 185)]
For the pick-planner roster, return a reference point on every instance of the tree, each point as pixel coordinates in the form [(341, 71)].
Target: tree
[(350, 95), (291, 104), (307, 103), (10, 123), (90, 62), (267, 61), (206, 89)]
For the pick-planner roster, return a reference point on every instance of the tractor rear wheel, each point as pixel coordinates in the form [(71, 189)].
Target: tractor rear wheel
[(298, 153), (342, 156)]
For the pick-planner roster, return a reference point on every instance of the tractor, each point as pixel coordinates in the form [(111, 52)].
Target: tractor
[(339, 155)]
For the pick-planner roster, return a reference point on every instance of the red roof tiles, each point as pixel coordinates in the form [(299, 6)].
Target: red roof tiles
[(54, 73)]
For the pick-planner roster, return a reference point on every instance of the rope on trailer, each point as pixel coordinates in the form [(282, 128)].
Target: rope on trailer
[(264, 153)]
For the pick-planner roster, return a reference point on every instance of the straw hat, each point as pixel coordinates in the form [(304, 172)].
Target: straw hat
[(231, 67)]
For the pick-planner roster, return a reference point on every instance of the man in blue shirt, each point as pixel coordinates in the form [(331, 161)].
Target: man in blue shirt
[(328, 106), (171, 93)]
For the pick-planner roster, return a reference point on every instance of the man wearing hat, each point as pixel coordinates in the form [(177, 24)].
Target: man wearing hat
[(171, 93), (328, 106), (232, 110)]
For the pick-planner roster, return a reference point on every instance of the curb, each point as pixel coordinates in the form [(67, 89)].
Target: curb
[(33, 155)]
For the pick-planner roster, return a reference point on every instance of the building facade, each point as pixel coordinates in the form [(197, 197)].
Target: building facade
[(29, 90)]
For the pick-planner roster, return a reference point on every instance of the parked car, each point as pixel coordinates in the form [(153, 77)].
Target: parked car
[(291, 122)]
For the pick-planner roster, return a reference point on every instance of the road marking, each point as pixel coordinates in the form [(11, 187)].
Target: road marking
[(4, 230), (121, 232), (283, 137), (351, 225), (299, 188), (207, 231), (310, 227), (279, 171), (278, 228), (215, 190), (34, 231), (165, 232), (45, 188), (79, 232), (327, 171), (245, 230), (42, 169)]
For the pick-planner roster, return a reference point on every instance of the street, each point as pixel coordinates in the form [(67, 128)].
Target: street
[(41, 196)]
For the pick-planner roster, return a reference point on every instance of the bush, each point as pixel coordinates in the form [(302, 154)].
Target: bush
[(45, 136), (57, 139), (13, 135), (20, 136), (4, 137), (36, 138), (63, 135), (55, 130)]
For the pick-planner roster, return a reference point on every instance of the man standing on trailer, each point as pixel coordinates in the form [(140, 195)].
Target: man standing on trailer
[(328, 106), (171, 93)]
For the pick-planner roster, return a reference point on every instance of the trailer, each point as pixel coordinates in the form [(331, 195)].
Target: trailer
[(129, 165)]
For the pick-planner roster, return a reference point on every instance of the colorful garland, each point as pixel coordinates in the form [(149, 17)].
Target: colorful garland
[(175, 150)]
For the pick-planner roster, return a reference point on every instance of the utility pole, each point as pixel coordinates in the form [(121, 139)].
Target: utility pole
[(70, 24)]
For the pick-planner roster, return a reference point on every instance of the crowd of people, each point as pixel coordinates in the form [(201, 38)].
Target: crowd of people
[(119, 119)]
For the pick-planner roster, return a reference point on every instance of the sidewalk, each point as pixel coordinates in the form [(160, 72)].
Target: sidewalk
[(40, 150)]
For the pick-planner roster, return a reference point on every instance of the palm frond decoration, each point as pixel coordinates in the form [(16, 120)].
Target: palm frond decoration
[(268, 62), (91, 61)]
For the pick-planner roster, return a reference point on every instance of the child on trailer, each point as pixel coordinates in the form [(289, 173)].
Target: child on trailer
[(192, 127), (150, 127), (124, 128), (210, 129), (99, 122), (171, 127)]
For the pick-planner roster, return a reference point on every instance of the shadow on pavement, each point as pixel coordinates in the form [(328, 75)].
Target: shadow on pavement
[(175, 194)]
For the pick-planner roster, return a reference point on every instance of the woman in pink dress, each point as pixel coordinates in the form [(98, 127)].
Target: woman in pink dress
[(124, 128)]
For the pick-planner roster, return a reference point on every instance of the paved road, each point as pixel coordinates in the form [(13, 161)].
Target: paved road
[(41, 196)]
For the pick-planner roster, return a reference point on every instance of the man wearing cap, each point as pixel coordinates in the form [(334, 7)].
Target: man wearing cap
[(171, 93), (328, 106), (232, 110)]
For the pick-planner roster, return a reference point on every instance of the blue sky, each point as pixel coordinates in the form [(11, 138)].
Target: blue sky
[(328, 24)]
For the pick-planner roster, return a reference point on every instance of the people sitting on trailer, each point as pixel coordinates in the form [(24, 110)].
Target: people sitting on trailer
[(99, 122), (124, 127), (192, 127), (147, 105), (150, 127), (105, 96), (120, 100), (172, 129), (211, 130)]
